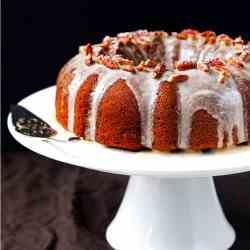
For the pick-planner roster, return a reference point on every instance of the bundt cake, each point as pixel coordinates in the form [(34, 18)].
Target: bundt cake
[(187, 90)]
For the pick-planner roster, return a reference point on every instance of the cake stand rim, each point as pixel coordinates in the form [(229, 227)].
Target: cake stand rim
[(115, 156)]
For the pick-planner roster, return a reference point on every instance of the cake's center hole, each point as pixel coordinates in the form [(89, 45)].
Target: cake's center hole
[(137, 46)]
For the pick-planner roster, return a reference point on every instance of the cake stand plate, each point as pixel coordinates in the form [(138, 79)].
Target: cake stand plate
[(170, 202)]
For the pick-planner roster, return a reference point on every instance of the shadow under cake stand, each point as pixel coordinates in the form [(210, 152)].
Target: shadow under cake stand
[(170, 202)]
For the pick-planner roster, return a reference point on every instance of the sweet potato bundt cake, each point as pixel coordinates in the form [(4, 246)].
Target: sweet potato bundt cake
[(187, 90)]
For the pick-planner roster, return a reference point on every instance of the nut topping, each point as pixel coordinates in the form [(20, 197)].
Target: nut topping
[(216, 63), (245, 56), (186, 65), (174, 78), (159, 70), (223, 76), (144, 51), (236, 63), (203, 66), (106, 61), (225, 39), (220, 67), (88, 51)]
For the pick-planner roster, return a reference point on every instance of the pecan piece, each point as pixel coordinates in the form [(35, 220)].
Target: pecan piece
[(225, 39), (128, 67), (88, 60), (181, 36), (218, 66), (208, 34), (106, 61), (159, 70), (223, 76), (245, 56), (235, 63), (186, 65), (150, 63), (147, 65), (239, 40), (203, 66), (189, 33), (87, 50), (177, 78), (141, 66), (211, 40), (216, 62), (124, 63), (106, 42)]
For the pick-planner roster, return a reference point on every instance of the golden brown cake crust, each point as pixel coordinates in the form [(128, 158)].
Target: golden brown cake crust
[(82, 105), (165, 125), (118, 119), (244, 89), (204, 131)]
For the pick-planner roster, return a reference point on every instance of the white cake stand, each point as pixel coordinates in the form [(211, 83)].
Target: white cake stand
[(170, 202)]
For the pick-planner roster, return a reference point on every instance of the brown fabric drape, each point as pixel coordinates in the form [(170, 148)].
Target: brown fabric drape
[(48, 205)]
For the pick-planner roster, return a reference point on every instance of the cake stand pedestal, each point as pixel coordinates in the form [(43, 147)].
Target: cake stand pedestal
[(170, 202), (176, 214)]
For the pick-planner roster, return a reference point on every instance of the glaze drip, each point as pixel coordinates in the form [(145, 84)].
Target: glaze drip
[(222, 102)]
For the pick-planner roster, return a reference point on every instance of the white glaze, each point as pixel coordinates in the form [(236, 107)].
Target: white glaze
[(171, 44), (191, 49), (200, 92), (145, 91), (222, 101), (81, 73)]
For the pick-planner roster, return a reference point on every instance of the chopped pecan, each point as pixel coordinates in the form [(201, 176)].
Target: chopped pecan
[(216, 62), (87, 49), (189, 33), (150, 63), (128, 67), (124, 40), (181, 36), (123, 63), (159, 70), (107, 61), (186, 65), (106, 42), (223, 76), (208, 34), (238, 49), (88, 60), (147, 65), (203, 66), (239, 40), (245, 56), (220, 67), (141, 66), (177, 78), (211, 40), (225, 39), (236, 63)]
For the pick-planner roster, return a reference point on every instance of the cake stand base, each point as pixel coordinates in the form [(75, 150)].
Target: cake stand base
[(170, 214)]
